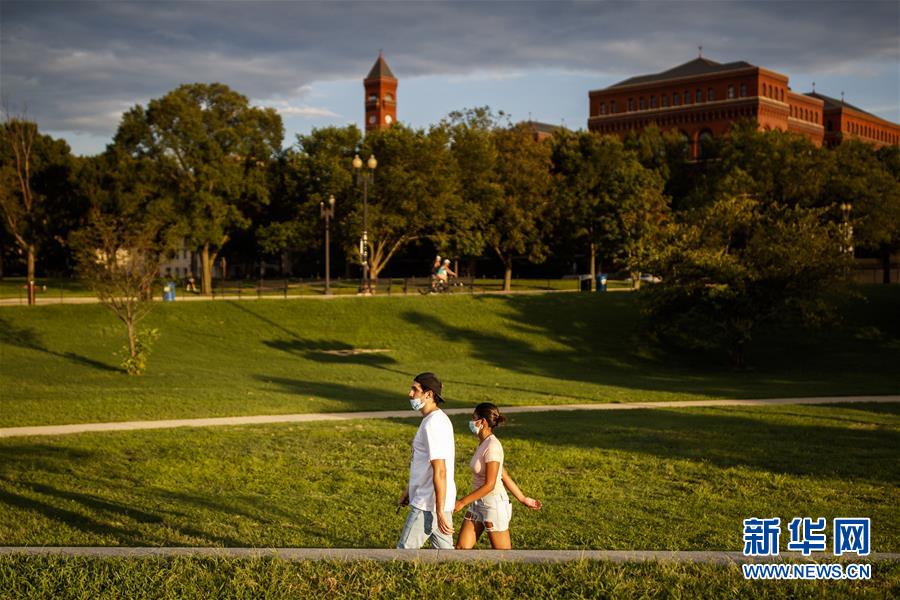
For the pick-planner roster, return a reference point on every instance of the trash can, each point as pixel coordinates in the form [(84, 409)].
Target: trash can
[(601, 282), (169, 292), (585, 283)]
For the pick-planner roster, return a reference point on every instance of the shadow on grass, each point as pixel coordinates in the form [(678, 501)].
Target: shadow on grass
[(23, 337), (598, 340), (127, 522), (241, 307), (332, 352), (615, 357), (82, 511), (356, 397), (861, 450)]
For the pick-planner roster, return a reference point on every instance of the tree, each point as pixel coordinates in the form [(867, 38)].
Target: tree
[(414, 189), (608, 199), (305, 176), (35, 187), (118, 252), (211, 149), (864, 178), (737, 263), (781, 167), (475, 156), (514, 219)]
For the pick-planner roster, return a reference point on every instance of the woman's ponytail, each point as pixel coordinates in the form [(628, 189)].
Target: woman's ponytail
[(490, 413)]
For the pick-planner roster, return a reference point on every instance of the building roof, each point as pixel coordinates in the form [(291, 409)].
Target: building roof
[(833, 103), (693, 68), (544, 127), (380, 70)]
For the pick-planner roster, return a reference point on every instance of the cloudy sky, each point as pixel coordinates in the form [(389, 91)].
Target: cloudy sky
[(78, 65)]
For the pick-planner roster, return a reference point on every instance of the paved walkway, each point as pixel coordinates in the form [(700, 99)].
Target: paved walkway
[(434, 556), (405, 414), (251, 295)]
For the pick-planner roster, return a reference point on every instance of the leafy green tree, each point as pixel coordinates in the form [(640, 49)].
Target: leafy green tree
[(303, 177), (414, 189), (782, 167), (607, 198), (514, 220), (36, 188), (211, 149), (475, 156), (118, 252), (864, 178), (738, 263)]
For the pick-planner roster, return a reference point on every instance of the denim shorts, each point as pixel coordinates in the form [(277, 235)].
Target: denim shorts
[(422, 526), (494, 509)]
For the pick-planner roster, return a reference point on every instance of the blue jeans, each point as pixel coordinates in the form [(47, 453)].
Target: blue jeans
[(422, 525)]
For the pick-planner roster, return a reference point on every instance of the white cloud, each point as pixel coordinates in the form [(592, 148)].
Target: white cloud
[(307, 111)]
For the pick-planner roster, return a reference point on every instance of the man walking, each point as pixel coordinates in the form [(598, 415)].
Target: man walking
[(431, 492)]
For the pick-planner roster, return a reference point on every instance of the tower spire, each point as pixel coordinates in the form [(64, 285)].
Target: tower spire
[(380, 95)]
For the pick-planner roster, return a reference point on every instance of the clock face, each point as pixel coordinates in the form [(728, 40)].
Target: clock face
[(372, 119), (388, 119)]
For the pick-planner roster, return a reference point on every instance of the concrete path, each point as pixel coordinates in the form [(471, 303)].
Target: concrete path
[(408, 414), (435, 556), (252, 296)]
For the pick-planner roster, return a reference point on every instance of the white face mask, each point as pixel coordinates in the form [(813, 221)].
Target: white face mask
[(474, 428), (416, 403)]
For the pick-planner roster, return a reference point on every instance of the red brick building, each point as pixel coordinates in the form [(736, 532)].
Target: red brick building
[(381, 96), (702, 98)]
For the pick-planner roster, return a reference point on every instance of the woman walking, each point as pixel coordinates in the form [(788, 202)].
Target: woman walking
[(491, 509)]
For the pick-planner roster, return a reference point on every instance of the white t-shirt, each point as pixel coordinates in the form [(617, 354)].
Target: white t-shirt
[(433, 440)]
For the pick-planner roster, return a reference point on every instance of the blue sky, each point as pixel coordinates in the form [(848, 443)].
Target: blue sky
[(76, 66)]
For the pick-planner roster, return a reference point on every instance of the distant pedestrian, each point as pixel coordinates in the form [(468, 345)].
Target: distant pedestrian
[(189, 286), (444, 272), (434, 272), (431, 490), (491, 509)]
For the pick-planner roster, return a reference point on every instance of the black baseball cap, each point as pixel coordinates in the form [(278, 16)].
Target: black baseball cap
[(429, 381)]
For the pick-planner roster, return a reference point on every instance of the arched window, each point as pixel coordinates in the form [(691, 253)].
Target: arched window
[(373, 97), (699, 96), (730, 91), (652, 101), (389, 97), (676, 99), (704, 144), (630, 104), (710, 94), (686, 143), (642, 104), (743, 90), (603, 108), (612, 106), (665, 100), (687, 96)]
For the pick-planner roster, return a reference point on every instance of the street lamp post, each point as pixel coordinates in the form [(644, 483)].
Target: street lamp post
[(364, 178), (327, 214), (846, 209)]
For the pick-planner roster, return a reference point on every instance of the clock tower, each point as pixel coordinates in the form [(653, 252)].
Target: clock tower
[(381, 96)]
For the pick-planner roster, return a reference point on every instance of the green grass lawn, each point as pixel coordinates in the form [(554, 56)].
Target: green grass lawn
[(25, 578), (223, 358), (661, 479), (679, 479)]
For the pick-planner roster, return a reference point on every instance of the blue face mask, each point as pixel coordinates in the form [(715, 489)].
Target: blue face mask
[(416, 403), (474, 428)]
